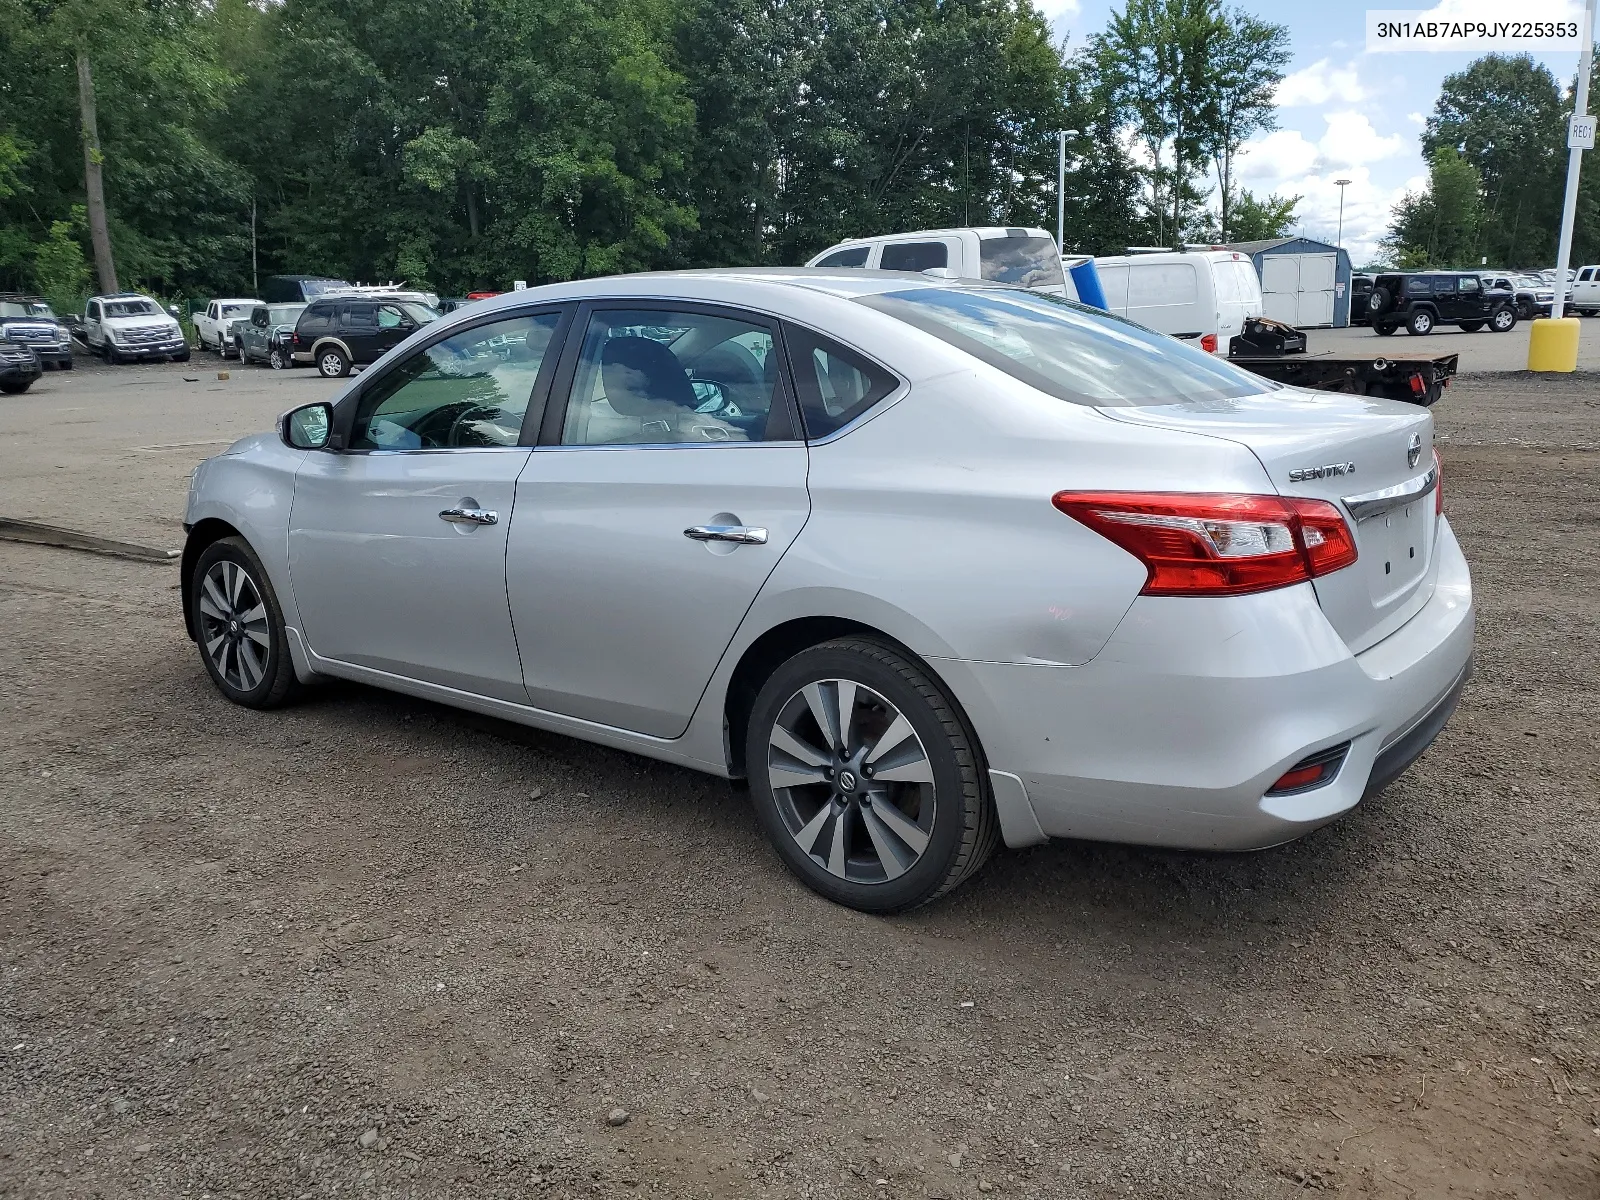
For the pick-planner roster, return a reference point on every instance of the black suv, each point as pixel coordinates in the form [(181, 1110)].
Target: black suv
[(28, 320), (1426, 299), (339, 332)]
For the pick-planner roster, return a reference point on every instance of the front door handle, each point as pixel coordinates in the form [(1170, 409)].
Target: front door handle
[(470, 516), (744, 535)]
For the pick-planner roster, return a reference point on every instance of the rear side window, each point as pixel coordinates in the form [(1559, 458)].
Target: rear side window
[(315, 319), (914, 256), (1155, 285), (1418, 287), (855, 256), (1026, 261), (1066, 349), (835, 385)]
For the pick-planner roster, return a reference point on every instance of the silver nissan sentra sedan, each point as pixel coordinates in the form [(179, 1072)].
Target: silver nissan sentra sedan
[(930, 563)]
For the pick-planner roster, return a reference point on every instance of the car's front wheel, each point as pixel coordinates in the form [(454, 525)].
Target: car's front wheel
[(278, 358), (239, 626), (332, 363), (866, 778)]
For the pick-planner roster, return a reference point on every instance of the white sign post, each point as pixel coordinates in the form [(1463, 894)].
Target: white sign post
[(1580, 137)]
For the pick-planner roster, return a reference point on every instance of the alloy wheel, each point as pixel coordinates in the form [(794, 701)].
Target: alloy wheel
[(233, 625), (332, 365), (852, 780), (276, 359)]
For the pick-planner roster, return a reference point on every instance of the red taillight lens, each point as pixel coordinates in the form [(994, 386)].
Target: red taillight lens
[(1217, 545), (1438, 484), (1209, 343), (1299, 778), (1418, 385)]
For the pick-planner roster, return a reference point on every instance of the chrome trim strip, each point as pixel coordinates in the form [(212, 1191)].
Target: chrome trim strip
[(1370, 504)]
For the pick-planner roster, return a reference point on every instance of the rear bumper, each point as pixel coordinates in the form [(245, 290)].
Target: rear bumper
[(22, 372), (1174, 733)]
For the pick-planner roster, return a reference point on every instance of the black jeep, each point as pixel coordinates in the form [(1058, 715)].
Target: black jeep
[(1426, 299)]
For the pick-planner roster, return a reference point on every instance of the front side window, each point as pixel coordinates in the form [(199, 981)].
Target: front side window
[(914, 256), (470, 390), (1066, 349), (1029, 262), (1469, 285), (835, 385), (855, 256), (1443, 287), (654, 377)]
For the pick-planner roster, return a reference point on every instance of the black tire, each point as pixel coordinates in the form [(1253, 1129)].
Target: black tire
[(236, 674), (1379, 302), (112, 358), (65, 365), (1420, 323), (181, 356), (959, 826), (332, 363), (1384, 329), (1503, 321), (1471, 326), (15, 389), (278, 359)]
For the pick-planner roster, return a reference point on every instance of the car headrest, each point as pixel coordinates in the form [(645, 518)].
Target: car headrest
[(640, 375)]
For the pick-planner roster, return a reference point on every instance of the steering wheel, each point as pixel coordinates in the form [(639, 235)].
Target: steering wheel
[(475, 412)]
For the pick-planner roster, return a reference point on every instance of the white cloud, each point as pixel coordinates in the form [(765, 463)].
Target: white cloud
[(1281, 154), (1351, 140), (1416, 118), (1057, 11), (1320, 84)]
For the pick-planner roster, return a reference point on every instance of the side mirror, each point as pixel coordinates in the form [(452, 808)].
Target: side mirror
[(307, 428), (173, 309), (941, 273)]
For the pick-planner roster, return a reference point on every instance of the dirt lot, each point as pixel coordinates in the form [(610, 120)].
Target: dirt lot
[(372, 947)]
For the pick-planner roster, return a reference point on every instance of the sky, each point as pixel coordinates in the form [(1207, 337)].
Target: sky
[(1343, 113)]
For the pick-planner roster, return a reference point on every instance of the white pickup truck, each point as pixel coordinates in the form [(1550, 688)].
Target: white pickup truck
[(213, 328), (127, 327), (1583, 296), (1027, 257)]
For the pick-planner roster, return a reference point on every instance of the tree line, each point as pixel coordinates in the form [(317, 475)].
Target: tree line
[(462, 144), (1497, 162)]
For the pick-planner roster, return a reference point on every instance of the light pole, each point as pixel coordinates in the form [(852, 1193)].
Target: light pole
[(1342, 184), (1061, 185), (1569, 207)]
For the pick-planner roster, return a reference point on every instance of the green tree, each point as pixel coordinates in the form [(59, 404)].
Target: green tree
[(1505, 115), (1246, 65), (1439, 227), (1259, 218)]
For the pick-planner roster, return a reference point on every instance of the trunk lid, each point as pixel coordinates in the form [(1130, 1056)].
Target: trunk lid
[(1371, 458)]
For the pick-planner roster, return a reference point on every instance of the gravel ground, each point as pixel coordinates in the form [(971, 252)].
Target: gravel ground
[(369, 946)]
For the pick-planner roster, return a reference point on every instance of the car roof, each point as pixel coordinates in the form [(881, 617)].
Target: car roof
[(22, 298)]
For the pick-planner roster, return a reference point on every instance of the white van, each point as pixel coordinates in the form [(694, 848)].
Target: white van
[(1204, 296), (1026, 257)]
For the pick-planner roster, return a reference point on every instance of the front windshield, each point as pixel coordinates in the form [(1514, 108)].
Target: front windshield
[(26, 308), (1066, 349), (284, 314), (132, 308), (420, 313)]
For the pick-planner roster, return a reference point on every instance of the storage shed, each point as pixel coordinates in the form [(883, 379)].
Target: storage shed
[(1303, 282)]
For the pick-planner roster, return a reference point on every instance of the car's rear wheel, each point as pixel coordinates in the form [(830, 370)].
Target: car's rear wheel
[(1421, 322), (332, 363), (1503, 321), (866, 777), (239, 626), (15, 389), (1384, 329)]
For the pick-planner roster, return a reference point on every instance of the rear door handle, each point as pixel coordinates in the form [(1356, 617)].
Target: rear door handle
[(744, 535), (470, 516)]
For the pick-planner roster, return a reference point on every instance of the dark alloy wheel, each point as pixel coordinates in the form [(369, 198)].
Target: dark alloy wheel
[(866, 778), (239, 626)]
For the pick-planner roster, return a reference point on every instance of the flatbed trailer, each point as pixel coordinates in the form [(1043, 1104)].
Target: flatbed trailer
[(1277, 351)]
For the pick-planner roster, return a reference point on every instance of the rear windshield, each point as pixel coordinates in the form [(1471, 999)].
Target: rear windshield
[(312, 288), (1026, 261), (1066, 349)]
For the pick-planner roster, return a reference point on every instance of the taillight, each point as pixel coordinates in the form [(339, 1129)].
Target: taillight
[(1438, 485), (1209, 343), (1217, 545), (1418, 385)]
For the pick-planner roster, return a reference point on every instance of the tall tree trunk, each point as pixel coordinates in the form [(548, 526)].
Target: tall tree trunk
[(104, 265), (472, 208)]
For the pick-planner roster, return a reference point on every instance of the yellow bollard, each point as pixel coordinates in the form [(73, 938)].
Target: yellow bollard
[(1553, 345)]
